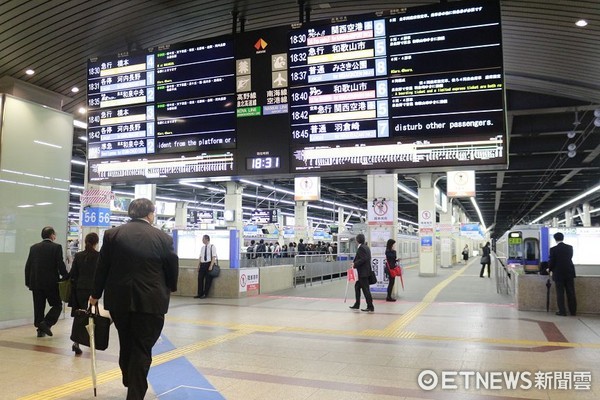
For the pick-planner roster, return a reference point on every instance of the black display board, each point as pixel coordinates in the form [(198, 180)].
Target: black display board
[(414, 89)]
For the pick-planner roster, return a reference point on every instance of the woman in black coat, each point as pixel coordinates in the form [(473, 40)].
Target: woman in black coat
[(82, 277), (392, 258), (485, 260)]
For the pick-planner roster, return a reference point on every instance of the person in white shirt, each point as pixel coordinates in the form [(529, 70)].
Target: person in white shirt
[(208, 257)]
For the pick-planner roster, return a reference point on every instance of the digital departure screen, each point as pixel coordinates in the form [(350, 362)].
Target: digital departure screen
[(440, 101), (413, 89), (195, 86)]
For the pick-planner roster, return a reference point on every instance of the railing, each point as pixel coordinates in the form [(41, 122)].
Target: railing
[(505, 279)]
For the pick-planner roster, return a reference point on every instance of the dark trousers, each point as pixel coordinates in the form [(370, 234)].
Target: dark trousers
[(363, 283), (137, 334), (390, 286), (204, 279), (483, 269), (562, 286), (40, 296)]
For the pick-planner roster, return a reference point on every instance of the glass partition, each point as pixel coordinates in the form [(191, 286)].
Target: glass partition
[(35, 166)]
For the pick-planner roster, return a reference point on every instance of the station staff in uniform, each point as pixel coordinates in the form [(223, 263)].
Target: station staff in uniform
[(208, 258)]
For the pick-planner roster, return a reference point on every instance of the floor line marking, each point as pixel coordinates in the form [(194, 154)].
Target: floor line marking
[(61, 391), (399, 325)]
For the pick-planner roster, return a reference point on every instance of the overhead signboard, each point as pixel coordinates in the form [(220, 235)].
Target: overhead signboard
[(307, 188), (414, 89)]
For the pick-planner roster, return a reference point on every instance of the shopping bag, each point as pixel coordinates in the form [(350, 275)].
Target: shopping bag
[(79, 333), (372, 278), (64, 290)]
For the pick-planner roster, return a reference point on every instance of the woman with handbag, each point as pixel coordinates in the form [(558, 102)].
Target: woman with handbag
[(485, 260), (390, 262), (82, 277)]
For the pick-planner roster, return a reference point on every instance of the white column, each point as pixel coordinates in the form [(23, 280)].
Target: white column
[(147, 191), (233, 202), (181, 214), (586, 217), (340, 220), (427, 213), (302, 230), (446, 229), (382, 203), (568, 218)]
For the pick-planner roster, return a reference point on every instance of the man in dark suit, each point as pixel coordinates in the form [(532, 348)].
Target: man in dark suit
[(137, 271), (42, 269), (563, 274), (362, 263)]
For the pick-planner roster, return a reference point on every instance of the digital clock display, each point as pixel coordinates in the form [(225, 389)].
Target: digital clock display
[(262, 163)]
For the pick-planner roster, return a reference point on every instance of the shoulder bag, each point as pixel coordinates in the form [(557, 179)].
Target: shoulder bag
[(216, 270)]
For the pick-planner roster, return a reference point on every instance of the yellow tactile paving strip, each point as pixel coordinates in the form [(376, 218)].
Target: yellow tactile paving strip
[(394, 330)]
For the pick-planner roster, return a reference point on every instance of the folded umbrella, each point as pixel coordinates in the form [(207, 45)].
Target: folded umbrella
[(91, 328)]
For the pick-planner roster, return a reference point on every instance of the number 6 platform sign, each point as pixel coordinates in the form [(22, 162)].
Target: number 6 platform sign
[(95, 217)]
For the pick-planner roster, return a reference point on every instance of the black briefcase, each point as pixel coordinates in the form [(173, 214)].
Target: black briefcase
[(81, 320)]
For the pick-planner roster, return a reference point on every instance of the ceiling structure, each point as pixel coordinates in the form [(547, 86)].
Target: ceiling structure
[(551, 65)]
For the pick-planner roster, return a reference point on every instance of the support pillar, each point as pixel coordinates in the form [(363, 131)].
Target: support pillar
[(586, 218), (382, 206), (302, 230), (568, 218), (427, 214), (147, 191), (181, 214), (233, 202), (446, 229)]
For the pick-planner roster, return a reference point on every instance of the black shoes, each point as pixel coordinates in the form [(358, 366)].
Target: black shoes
[(40, 333), (368, 309), (390, 299), (197, 297), (44, 328), (76, 349), (355, 307), (561, 314)]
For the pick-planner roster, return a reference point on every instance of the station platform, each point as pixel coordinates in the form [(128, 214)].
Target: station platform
[(447, 337)]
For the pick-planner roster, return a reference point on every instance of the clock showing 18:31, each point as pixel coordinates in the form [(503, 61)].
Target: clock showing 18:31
[(255, 163)]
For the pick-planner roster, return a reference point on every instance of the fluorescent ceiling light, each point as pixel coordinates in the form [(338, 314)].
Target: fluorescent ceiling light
[(573, 200), (77, 187), (82, 110), (30, 72), (581, 23), (83, 138), (407, 191), (79, 124), (78, 162), (74, 89), (478, 213), (26, 206), (43, 204)]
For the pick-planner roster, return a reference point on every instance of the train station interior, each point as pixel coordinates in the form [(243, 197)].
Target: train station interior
[(522, 164)]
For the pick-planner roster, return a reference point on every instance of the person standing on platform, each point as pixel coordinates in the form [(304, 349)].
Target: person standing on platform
[(42, 269), (465, 253), (561, 266), (391, 258), (362, 263), (82, 277), (137, 271), (486, 259), (208, 258)]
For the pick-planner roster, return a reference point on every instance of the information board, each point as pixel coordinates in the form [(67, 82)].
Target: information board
[(413, 89)]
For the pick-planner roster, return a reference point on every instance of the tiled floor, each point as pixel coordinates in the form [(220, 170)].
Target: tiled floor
[(306, 344)]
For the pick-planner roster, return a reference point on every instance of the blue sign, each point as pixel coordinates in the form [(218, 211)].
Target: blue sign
[(95, 217), (426, 241)]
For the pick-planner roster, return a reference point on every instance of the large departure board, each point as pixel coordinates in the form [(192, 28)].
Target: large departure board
[(413, 89), (426, 91)]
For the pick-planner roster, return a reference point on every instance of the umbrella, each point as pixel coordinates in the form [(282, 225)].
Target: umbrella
[(401, 278), (350, 277), (548, 284), (90, 328)]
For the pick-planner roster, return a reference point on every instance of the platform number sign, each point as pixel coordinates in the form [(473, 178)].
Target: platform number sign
[(95, 217)]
